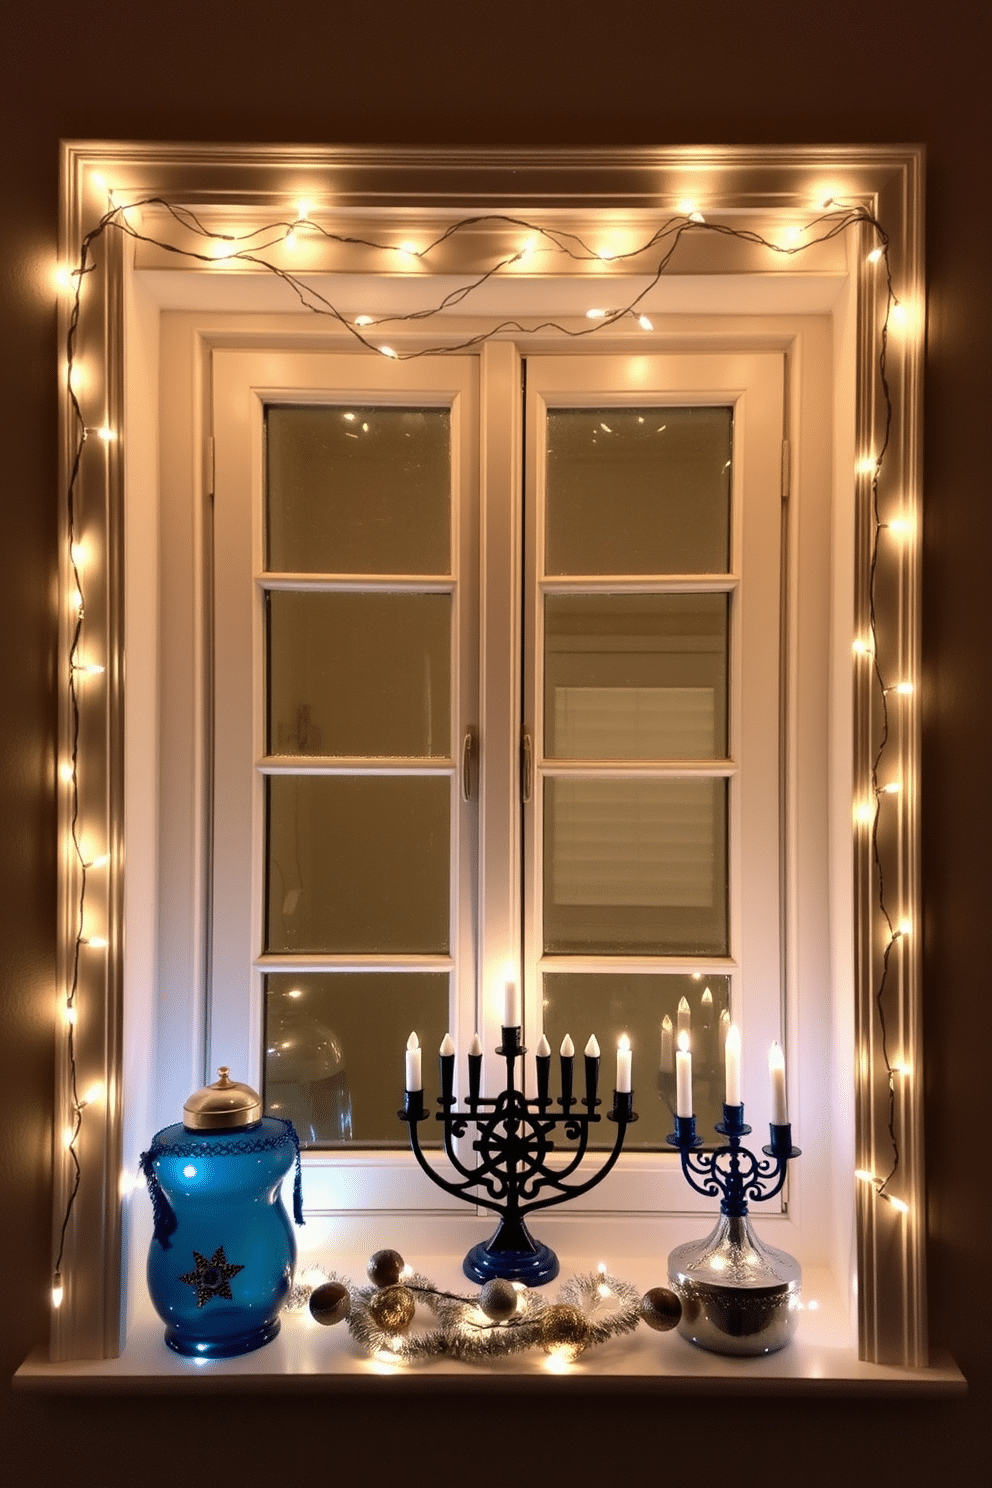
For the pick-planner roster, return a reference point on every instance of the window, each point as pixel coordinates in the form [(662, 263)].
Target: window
[(822, 327), (346, 864)]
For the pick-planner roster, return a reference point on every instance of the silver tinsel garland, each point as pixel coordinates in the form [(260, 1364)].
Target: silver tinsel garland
[(606, 1306)]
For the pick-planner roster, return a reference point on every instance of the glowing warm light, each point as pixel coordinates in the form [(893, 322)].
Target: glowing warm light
[(58, 1291), (875, 255), (69, 1014), (892, 789), (606, 254), (409, 248), (64, 279), (302, 211), (98, 942), (863, 1175), (793, 234), (127, 1184), (596, 314), (687, 206), (902, 1069), (66, 771), (89, 668), (644, 323), (602, 1288), (900, 526), (94, 1094), (899, 1205), (290, 238), (696, 217), (866, 466), (79, 553), (905, 927), (904, 688), (98, 862), (387, 351), (864, 811), (295, 992), (364, 320), (68, 1137), (861, 648)]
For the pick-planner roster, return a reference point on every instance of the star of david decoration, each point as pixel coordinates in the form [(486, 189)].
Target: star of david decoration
[(211, 1277)]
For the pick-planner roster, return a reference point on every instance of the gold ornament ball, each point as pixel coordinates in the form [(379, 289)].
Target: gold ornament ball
[(384, 1267), (661, 1309), (330, 1303), (392, 1309), (498, 1299), (564, 1329)]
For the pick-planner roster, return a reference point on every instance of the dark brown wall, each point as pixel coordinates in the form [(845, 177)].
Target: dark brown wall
[(515, 72)]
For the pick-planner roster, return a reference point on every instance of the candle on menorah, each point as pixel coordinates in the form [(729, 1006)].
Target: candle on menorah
[(739, 1296), (513, 1139)]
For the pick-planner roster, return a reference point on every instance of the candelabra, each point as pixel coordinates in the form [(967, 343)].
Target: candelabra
[(739, 1296), (514, 1139)]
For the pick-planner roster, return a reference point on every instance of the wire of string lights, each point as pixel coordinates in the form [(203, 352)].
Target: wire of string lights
[(196, 242)]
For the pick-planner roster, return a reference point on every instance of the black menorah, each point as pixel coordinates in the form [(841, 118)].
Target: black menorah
[(515, 1136)]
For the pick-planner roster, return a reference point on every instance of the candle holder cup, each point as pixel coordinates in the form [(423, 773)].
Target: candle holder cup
[(514, 1137), (738, 1295)]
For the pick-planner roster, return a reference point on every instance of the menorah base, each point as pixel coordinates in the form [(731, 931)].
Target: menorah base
[(512, 1254)]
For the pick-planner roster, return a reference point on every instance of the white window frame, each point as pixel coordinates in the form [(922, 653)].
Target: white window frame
[(778, 186)]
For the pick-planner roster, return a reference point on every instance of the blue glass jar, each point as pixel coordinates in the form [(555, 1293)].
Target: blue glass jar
[(221, 1261)]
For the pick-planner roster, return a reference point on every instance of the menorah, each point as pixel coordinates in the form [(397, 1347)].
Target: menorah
[(514, 1139)]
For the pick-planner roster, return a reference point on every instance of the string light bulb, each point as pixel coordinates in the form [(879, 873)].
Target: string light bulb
[(58, 1290)]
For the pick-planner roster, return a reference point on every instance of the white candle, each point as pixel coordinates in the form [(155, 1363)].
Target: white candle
[(667, 1045), (475, 1047), (543, 1048), (623, 1065), (511, 1003), (706, 1008), (683, 1077), (683, 1016), (732, 1065), (592, 1047), (447, 1046), (413, 1076), (776, 1069), (567, 1047)]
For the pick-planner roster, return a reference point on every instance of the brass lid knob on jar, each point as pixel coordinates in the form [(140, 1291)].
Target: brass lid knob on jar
[(227, 1105)]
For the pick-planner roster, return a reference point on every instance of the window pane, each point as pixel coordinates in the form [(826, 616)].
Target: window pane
[(635, 866), (614, 1003), (359, 674), (358, 490), (358, 863), (636, 676), (638, 490), (334, 1045)]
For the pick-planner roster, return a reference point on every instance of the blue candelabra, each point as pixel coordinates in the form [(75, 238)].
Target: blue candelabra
[(514, 1138), (738, 1295), (731, 1170)]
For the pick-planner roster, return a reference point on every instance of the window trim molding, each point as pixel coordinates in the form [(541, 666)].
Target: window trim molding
[(414, 185)]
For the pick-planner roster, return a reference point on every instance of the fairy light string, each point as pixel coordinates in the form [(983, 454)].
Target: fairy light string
[(254, 249)]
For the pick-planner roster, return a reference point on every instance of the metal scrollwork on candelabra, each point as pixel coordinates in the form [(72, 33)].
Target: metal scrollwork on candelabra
[(739, 1296), (515, 1138)]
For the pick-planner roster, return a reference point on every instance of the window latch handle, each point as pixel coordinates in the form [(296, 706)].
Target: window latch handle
[(526, 766), (467, 745)]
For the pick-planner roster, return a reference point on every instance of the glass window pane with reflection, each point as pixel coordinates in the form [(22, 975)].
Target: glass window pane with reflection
[(651, 1010), (636, 676), (636, 866), (358, 864), (358, 490), (638, 490), (334, 1046), (359, 674)]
